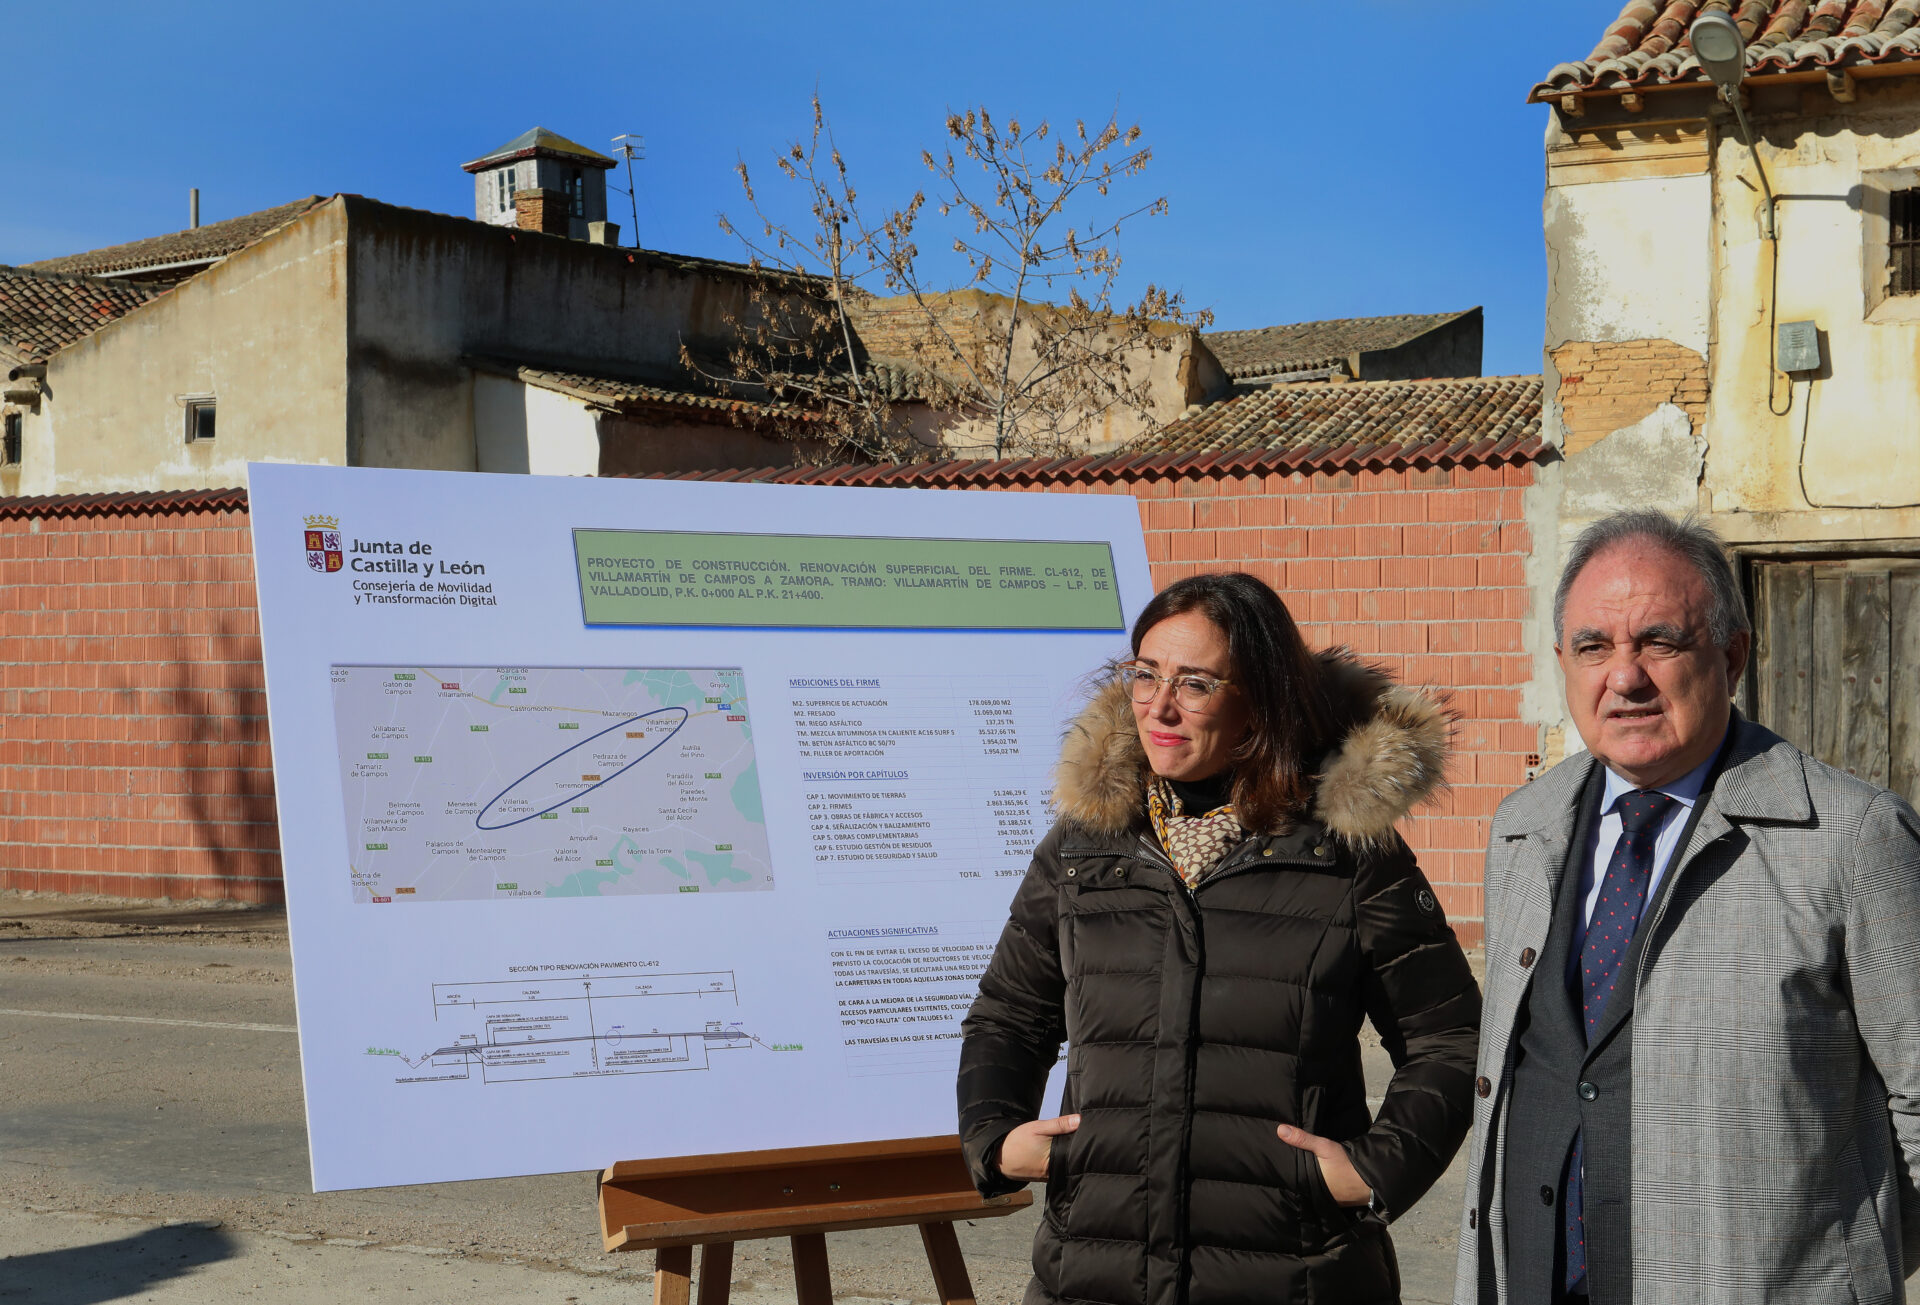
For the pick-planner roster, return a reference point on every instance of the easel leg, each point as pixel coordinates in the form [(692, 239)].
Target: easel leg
[(949, 1266), (716, 1273), (673, 1275), (810, 1272)]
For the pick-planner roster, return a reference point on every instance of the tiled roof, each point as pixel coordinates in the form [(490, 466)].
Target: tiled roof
[(622, 395), (204, 244), (1646, 46), (1384, 424), (1367, 423), (121, 504), (1316, 346), (40, 314), (537, 141)]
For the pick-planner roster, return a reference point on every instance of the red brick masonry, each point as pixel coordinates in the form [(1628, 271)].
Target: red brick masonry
[(1423, 572), (135, 759), (133, 713)]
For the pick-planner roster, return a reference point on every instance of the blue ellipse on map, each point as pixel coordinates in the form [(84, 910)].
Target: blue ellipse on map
[(555, 782)]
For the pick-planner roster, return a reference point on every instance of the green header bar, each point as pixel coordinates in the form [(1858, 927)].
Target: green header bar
[(666, 577)]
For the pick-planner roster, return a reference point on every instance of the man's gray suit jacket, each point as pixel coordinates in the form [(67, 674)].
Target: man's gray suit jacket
[(1775, 1132)]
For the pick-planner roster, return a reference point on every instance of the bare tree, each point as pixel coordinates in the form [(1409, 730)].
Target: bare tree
[(1038, 371), (1030, 345), (796, 343)]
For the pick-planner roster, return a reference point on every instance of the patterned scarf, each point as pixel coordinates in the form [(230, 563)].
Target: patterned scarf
[(1194, 843)]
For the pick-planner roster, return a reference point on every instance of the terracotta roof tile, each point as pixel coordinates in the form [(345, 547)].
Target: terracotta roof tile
[(1646, 46), (1351, 427), (1365, 423), (1286, 352), (40, 314), (204, 244), (621, 395), (121, 504)]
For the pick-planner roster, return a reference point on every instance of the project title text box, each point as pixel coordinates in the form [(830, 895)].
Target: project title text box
[(683, 578)]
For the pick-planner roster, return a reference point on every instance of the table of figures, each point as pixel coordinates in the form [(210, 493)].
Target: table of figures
[(922, 778)]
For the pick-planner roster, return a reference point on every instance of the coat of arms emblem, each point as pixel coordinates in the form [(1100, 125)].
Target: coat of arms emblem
[(324, 553)]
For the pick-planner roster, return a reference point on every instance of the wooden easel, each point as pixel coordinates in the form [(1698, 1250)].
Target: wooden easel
[(712, 1201)]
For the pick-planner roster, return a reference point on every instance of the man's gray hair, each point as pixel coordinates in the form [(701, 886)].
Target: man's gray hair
[(1689, 539)]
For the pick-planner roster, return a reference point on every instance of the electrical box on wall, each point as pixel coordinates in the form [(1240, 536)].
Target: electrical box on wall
[(1799, 347)]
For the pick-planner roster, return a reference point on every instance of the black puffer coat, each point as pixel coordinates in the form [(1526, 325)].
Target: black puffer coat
[(1198, 1020)]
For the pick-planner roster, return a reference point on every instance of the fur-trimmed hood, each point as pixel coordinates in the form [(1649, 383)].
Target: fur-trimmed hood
[(1391, 761)]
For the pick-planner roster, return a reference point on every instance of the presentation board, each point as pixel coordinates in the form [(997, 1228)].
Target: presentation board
[(634, 819)]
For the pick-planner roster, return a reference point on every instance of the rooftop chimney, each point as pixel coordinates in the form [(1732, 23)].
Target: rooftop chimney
[(193, 207), (541, 210)]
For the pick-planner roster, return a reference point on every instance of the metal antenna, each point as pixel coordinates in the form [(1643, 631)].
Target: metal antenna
[(632, 146)]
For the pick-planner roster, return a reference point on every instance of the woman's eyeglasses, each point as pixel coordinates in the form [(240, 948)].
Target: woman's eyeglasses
[(1192, 692)]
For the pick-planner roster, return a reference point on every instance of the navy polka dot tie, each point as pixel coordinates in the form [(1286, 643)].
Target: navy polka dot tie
[(1623, 895)]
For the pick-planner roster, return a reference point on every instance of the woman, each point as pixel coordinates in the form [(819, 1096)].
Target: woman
[(1221, 901)]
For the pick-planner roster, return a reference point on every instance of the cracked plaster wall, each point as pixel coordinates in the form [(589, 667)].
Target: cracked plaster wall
[(1629, 285), (1851, 435), (1654, 463)]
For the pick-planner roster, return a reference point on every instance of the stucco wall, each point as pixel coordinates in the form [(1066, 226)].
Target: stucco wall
[(1628, 260), (521, 428), (264, 332), (1627, 226), (1177, 369), (1660, 274), (429, 290), (1845, 454)]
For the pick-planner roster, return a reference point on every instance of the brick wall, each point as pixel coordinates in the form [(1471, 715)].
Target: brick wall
[(133, 756), (135, 762), (1422, 572), (1606, 387)]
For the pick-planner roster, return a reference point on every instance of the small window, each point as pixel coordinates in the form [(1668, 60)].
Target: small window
[(505, 186), (199, 420), (10, 440), (1903, 242), (576, 184)]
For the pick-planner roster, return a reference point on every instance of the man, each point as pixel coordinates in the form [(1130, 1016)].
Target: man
[(1699, 1071)]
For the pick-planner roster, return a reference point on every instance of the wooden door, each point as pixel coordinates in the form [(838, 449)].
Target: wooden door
[(1837, 664)]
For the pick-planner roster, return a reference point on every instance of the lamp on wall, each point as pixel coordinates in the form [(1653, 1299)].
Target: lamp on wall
[(1722, 51)]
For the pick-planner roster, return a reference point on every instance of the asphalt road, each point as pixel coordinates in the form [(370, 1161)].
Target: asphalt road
[(153, 1147)]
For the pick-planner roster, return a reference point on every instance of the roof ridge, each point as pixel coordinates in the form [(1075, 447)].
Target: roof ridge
[(208, 234), (147, 288), (1330, 321), (1300, 386)]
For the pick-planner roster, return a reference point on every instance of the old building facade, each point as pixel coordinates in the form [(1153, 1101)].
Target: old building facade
[(357, 333), (1710, 352)]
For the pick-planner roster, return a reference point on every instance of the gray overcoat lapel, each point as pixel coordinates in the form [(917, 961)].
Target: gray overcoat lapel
[(1543, 816), (1758, 781)]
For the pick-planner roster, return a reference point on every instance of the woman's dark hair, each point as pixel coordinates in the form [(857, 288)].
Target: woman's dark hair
[(1293, 718)]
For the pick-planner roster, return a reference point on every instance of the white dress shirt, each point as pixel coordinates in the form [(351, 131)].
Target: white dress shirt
[(1684, 791)]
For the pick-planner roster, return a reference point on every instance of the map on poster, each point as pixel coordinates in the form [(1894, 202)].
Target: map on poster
[(465, 782), (629, 819)]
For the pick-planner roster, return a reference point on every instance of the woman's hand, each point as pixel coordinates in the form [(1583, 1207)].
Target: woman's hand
[(1024, 1152), (1342, 1179)]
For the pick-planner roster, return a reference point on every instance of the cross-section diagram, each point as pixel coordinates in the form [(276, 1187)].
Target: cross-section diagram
[(579, 1026)]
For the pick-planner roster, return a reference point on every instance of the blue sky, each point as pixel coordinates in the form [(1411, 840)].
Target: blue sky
[(1323, 158)]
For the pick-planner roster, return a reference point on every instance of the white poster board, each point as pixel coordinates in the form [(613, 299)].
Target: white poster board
[(633, 819)]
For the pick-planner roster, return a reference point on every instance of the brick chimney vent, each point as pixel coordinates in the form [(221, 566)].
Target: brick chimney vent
[(546, 211)]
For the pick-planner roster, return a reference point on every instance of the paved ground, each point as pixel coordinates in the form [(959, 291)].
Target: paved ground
[(152, 1148)]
